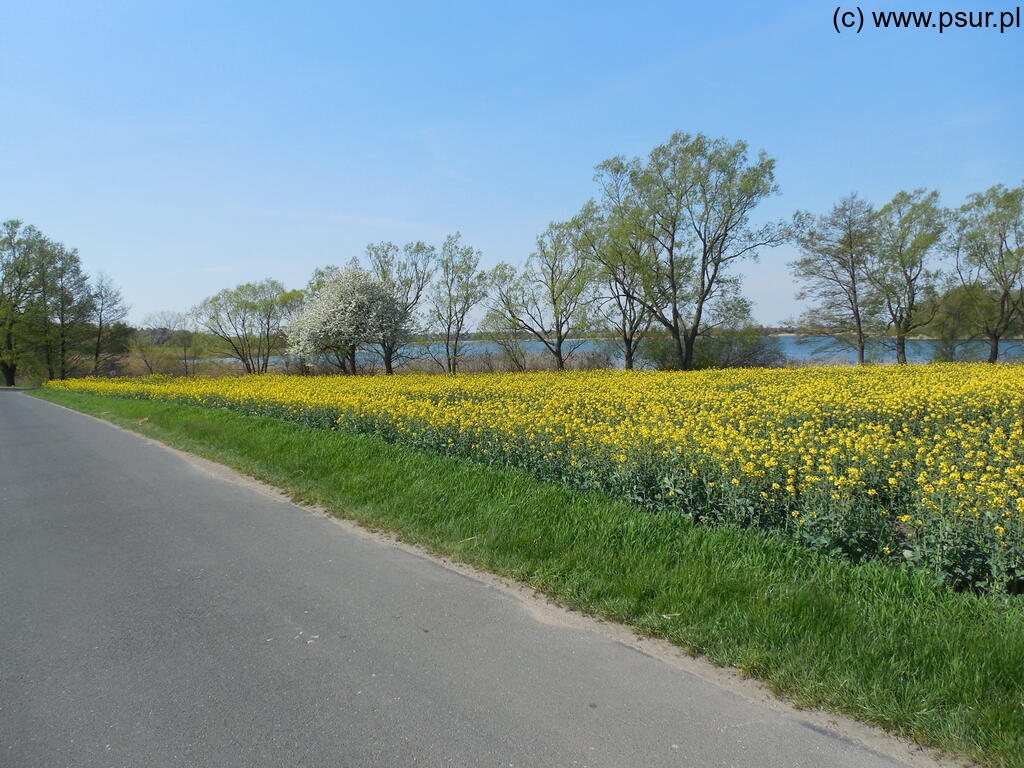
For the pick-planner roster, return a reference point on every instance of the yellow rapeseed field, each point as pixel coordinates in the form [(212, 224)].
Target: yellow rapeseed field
[(920, 464)]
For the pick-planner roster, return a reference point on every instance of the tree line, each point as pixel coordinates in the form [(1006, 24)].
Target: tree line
[(55, 320), (913, 266), (651, 262)]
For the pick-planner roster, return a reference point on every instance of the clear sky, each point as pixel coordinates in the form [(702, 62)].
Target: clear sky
[(186, 147)]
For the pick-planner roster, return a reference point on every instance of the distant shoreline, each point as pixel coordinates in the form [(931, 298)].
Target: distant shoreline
[(773, 335)]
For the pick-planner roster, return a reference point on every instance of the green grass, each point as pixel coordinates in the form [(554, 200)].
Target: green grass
[(880, 643)]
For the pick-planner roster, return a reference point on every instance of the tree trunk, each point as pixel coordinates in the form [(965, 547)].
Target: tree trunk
[(9, 369), (859, 328), (628, 350), (48, 352), (689, 343), (993, 348), (96, 351), (63, 355), (389, 360), (449, 352), (901, 349), (677, 340)]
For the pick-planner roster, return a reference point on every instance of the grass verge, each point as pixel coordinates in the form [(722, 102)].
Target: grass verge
[(882, 644)]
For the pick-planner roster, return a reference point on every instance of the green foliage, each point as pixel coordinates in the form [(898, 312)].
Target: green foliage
[(249, 320), (744, 347), (610, 235), (832, 269), (404, 275), (550, 299), (901, 272), (460, 286), (679, 222), (168, 343), (47, 307), (988, 243), (961, 314)]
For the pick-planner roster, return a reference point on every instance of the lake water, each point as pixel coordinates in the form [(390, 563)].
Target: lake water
[(820, 349), (798, 350), (817, 349)]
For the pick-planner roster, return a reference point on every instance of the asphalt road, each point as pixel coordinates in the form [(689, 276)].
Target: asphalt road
[(153, 613)]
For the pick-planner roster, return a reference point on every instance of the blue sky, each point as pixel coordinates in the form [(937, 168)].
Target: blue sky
[(186, 147)]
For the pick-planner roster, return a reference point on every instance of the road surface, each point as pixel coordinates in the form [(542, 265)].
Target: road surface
[(155, 613)]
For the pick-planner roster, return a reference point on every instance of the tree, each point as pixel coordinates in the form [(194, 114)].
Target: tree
[(348, 309), (38, 325), (54, 330), (166, 343), (836, 250), (901, 270), (693, 200), (612, 241), (988, 245), (108, 309), (550, 297), (460, 287), (182, 336), (249, 319), (67, 308), (323, 275), (956, 320), (623, 313), (45, 304), (51, 320), (155, 357), (404, 273), (18, 245), (746, 346), (507, 336)]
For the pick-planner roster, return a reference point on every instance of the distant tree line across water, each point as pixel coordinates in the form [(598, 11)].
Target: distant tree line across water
[(652, 264)]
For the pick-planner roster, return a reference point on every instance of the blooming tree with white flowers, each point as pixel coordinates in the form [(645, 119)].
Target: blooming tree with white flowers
[(349, 309)]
